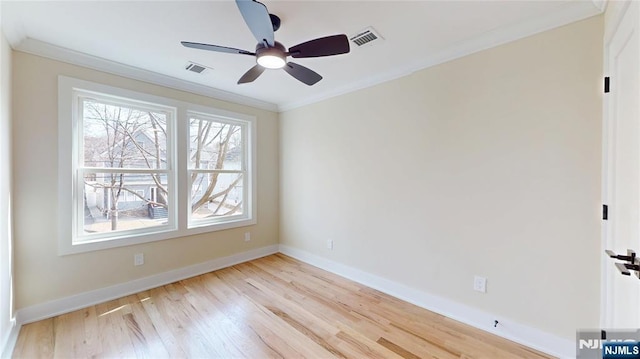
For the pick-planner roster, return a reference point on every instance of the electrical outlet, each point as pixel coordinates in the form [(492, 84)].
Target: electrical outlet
[(480, 284), (138, 259), (330, 244), (247, 236)]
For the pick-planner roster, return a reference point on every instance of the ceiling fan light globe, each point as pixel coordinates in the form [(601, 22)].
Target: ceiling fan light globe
[(271, 61)]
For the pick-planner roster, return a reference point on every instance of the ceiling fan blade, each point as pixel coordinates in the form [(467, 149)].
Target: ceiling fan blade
[(302, 73), (251, 75), (324, 46), (256, 16), (216, 48)]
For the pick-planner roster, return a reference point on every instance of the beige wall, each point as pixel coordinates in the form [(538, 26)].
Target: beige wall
[(5, 192), (40, 274), (488, 165)]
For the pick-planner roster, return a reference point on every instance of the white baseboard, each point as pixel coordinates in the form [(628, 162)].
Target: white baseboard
[(83, 300), (9, 342), (508, 329), (525, 335)]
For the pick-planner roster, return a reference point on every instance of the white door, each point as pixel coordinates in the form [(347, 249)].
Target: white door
[(622, 170)]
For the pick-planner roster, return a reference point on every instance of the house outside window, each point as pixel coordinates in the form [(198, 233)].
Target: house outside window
[(136, 168)]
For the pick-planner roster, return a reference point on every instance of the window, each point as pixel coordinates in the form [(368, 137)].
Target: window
[(127, 176), (217, 169), (112, 164)]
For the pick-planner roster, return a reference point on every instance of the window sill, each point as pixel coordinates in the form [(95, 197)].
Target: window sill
[(89, 246)]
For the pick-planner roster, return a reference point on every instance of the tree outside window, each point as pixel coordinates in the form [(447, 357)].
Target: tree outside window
[(118, 166), (216, 167)]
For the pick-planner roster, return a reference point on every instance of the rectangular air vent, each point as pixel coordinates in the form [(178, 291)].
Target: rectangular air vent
[(193, 67), (365, 36)]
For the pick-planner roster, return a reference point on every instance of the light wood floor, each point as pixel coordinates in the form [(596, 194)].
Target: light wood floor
[(273, 307)]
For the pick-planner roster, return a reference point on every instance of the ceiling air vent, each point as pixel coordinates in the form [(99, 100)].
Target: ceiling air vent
[(366, 36), (193, 67)]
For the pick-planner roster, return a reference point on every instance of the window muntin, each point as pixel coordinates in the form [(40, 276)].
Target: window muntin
[(217, 169)]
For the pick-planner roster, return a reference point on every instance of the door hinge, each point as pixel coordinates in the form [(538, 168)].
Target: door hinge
[(606, 84), (605, 212)]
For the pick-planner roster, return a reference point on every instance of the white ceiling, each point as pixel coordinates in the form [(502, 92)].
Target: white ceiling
[(145, 35)]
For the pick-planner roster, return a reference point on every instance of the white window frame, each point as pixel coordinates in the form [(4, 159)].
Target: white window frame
[(78, 172), (70, 195), (244, 125)]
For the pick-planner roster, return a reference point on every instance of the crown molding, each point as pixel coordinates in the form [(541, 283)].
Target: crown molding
[(613, 18), (566, 14), (600, 4), (40, 48)]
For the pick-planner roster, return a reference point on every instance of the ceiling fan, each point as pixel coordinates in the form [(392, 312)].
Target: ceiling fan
[(271, 54)]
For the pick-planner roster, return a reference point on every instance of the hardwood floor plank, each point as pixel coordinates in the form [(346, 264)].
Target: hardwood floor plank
[(229, 331), (272, 307), (112, 331), (92, 341), (367, 347), (244, 313), (163, 329), (305, 345), (70, 325), (295, 316), (36, 340), (397, 349), (143, 334), (181, 324)]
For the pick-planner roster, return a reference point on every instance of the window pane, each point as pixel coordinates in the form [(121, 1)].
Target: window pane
[(214, 145), (216, 195), (117, 136), (114, 201)]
